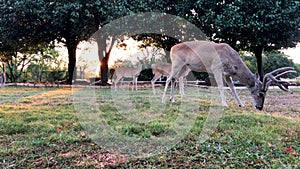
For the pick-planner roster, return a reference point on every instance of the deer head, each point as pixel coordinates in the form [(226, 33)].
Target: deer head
[(260, 88)]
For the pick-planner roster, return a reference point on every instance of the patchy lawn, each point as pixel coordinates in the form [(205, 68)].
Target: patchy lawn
[(40, 128)]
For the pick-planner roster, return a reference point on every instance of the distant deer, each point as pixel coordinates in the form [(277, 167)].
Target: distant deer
[(128, 72), (163, 69), (224, 62), (2, 76)]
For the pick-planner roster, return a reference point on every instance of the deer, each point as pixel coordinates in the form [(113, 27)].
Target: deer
[(2, 76), (128, 72), (224, 62), (163, 69)]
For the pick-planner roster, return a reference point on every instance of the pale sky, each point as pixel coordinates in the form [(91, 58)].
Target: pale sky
[(294, 53)]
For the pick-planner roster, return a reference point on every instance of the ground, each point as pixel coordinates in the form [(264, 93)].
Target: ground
[(39, 128)]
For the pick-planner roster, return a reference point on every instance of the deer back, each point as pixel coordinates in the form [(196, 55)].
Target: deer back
[(162, 68), (128, 71)]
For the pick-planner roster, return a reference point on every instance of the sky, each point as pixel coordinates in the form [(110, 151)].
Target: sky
[(294, 53)]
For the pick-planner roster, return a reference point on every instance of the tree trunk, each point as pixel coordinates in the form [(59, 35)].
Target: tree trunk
[(10, 75), (104, 67), (104, 58), (104, 70), (258, 54), (2, 83), (72, 61)]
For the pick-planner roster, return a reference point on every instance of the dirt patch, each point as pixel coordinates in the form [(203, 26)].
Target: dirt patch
[(283, 104), (277, 103)]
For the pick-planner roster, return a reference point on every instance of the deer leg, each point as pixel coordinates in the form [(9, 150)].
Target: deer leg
[(155, 78), (172, 91), (229, 82), (166, 88), (175, 69), (117, 81), (132, 85), (133, 82), (135, 79), (218, 76), (181, 86)]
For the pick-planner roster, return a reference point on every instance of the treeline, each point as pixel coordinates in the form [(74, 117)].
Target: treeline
[(252, 26)]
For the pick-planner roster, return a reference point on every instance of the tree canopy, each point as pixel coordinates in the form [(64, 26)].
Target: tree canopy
[(250, 25), (24, 25), (255, 26)]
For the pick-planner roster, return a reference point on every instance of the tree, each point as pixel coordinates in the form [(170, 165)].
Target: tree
[(24, 27), (132, 27), (43, 61), (256, 26), (26, 23), (106, 39), (151, 49), (163, 39), (16, 65), (73, 22), (41, 56)]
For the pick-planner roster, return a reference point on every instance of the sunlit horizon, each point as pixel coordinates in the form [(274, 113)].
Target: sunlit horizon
[(87, 54)]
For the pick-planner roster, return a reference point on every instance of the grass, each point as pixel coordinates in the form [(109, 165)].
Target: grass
[(65, 128)]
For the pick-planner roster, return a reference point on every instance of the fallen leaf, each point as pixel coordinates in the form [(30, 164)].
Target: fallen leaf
[(59, 129), (290, 151)]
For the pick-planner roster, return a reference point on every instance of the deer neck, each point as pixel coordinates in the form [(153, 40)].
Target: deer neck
[(249, 80), (246, 78)]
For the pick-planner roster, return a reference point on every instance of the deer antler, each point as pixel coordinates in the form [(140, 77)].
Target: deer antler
[(274, 77)]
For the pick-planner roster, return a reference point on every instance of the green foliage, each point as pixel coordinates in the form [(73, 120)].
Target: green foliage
[(46, 66), (133, 130), (274, 60), (244, 25), (146, 75), (26, 24), (31, 65), (269, 23), (157, 128), (256, 26), (271, 61)]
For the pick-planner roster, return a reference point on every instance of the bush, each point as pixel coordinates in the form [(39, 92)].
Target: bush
[(146, 75)]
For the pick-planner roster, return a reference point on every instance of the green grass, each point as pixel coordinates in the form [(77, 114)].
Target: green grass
[(49, 128)]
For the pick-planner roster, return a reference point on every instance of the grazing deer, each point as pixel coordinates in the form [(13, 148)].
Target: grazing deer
[(163, 69), (128, 72), (224, 62), (3, 76)]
